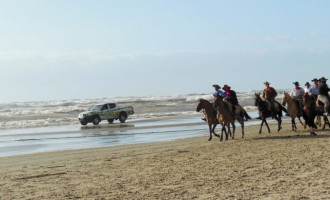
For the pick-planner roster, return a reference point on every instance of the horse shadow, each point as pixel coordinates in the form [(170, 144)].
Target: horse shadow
[(297, 136)]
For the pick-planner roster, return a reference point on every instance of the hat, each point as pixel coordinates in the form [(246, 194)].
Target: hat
[(307, 83), (216, 86), (315, 79), (323, 79), (296, 83), (226, 86), (266, 83)]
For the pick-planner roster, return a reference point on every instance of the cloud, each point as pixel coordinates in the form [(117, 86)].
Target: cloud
[(279, 38)]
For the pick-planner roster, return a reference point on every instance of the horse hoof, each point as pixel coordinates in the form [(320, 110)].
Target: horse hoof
[(210, 139), (313, 134)]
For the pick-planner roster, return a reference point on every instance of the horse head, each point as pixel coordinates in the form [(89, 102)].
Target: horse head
[(284, 99), (217, 101), (257, 99), (307, 99), (200, 105)]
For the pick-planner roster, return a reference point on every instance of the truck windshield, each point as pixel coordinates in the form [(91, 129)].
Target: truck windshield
[(95, 108)]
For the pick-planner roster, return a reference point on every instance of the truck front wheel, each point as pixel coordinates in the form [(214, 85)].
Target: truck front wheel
[(96, 120), (83, 122)]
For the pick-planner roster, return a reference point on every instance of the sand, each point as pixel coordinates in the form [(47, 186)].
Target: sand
[(285, 165)]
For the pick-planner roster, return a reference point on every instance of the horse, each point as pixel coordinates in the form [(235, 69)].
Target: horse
[(309, 112), (225, 116), (210, 115), (319, 109), (265, 112), (292, 109)]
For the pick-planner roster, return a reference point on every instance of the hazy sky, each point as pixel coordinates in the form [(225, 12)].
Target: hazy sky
[(65, 49)]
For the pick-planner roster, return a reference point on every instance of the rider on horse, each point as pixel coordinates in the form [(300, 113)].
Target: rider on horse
[(217, 90), (297, 94), (269, 95), (324, 95), (230, 96)]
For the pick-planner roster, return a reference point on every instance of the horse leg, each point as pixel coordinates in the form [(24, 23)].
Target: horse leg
[(301, 122), (318, 120), (234, 127), (279, 123), (223, 130), (312, 130), (228, 125), (210, 129), (215, 125), (242, 125), (267, 125), (293, 123), (326, 121), (262, 123)]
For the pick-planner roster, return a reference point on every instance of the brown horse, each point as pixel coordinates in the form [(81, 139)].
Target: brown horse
[(309, 112), (265, 112), (225, 117), (210, 115), (292, 108)]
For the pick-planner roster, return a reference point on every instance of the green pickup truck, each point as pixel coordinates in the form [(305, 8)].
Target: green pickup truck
[(108, 111)]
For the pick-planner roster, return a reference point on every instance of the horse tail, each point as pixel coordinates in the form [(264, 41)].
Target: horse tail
[(247, 117)]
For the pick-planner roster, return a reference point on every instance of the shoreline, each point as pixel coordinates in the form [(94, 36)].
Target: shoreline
[(288, 165)]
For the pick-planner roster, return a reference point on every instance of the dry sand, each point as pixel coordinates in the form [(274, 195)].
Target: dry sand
[(285, 165)]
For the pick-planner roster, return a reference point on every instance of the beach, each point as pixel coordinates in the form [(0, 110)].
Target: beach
[(284, 165)]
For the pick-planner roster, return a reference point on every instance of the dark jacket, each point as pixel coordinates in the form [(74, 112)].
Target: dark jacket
[(232, 98), (269, 95), (323, 89)]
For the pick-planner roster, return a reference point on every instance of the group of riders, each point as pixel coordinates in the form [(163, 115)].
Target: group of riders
[(318, 90)]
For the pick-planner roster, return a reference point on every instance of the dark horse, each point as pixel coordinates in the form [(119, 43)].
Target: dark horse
[(309, 112), (210, 116), (264, 112)]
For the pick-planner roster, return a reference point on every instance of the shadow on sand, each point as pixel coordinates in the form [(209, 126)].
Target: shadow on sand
[(300, 135)]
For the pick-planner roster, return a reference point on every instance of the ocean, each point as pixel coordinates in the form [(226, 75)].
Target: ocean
[(20, 115), (42, 126)]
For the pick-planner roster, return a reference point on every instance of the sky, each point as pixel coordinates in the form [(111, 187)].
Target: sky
[(56, 50)]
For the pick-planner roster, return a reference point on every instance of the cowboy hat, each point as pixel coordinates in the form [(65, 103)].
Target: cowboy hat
[(216, 86), (296, 83), (315, 79), (323, 79), (226, 86), (307, 83), (266, 83)]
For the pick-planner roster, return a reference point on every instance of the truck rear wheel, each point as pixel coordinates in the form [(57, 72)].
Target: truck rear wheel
[(122, 117)]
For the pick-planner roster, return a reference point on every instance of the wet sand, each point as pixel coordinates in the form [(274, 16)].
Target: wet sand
[(285, 165)]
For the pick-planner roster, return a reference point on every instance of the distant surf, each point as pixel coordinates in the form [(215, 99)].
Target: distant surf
[(17, 115)]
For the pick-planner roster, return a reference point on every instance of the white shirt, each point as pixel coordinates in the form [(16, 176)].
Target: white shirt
[(297, 94), (308, 90)]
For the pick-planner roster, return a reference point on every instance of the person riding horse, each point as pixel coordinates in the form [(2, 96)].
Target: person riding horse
[(269, 95), (230, 96), (216, 93), (315, 88), (217, 90), (297, 94), (324, 95)]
